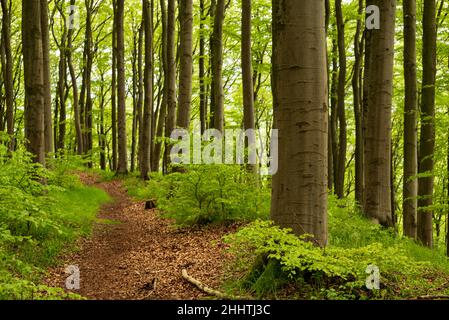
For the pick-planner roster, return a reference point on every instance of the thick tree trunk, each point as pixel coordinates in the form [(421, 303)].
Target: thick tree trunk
[(341, 161), (145, 144), (186, 64), (410, 183), (377, 202), (299, 196), (122, 167), (33, 62), (427, 138), (8, 72), (217, 66)]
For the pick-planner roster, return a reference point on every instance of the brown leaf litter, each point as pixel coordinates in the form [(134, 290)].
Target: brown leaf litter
[(141, 256)]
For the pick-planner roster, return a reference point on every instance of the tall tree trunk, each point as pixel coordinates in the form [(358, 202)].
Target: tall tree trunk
[(114, 90), (247, 79), (8, 72), (48, 122), (356, 84), (145, 144), (186, 65), (122, 167), (410, 183), (102, 134), (86, 96), (137, 39), (156, 154), (217, 66), (334, 111), (330, 156), (377, 202), (427, 138), (299, 196), (341, 163), (33, 62), (201, 69), (171, 79), (75, 94), (61, 92)]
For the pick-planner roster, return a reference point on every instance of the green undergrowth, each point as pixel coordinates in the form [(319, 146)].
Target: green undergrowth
[(270, 262), (38, 222), (204, 194)]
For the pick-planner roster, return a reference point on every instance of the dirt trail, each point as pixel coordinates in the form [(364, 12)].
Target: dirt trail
[(123, 260)]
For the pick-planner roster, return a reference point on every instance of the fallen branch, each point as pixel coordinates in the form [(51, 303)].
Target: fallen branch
[(209, 290)]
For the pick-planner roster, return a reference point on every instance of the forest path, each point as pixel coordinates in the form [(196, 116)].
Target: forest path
[(131, 249)]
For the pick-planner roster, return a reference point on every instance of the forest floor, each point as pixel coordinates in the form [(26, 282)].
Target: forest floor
[(135, 253)]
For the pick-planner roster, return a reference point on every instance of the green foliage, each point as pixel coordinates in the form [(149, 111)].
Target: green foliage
[(270, 261), (205, 194), (38, 220)]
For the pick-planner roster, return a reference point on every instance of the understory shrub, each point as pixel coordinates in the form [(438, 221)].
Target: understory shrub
[(41, 211), (270, 257), (205, 194)]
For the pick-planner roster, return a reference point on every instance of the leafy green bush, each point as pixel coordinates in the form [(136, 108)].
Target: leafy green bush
[(268, 254), (205, 194), (38, 220)]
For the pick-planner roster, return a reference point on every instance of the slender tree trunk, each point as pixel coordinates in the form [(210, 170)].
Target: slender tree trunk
[(8, 72), (427, 138), (61, 92), (410, 183), (155, 159), (114, 91), (135, 95), (102, 135), (75, 94), (334, 112), (299, 196), (201, 70), (148, 97), (247, 79), (186, 64), (86, 96), (122, 167), (330, 156), (377, 202), (48, 122), (171, 78), (217, 66), (341, 161), (33, 62), (356, 84)]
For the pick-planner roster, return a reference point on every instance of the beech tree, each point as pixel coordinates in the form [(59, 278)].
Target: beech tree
[(33, 61), (299, 196), (377, 148)]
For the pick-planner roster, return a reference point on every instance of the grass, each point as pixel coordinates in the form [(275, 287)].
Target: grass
[(72, 212)]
